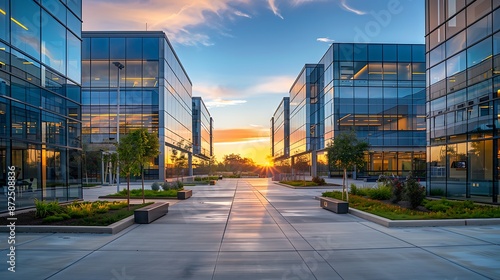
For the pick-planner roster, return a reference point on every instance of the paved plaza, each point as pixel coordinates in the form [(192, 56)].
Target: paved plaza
[(256, 229)]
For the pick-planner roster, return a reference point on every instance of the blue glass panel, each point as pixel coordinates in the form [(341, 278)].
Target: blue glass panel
[(404, 52), (54, 42), (99, 48), (418, 53), (360, 52), (134, 48), (4, 20), (375, 52), (150, 48), (117, 48), (479, 52), (75, 24), (455, 44), (25, 27), (76, 7), (456, 64), (86, 48), (496, 20), (390, 52), (56, 8), (74, 58), (345, 52)]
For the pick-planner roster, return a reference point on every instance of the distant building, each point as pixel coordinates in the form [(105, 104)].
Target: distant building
[(463, 99), (40, 114), (155, 93), (280, 135), (377, 90), (202, 137)]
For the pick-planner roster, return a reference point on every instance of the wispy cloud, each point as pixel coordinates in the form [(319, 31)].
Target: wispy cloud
[(242, 14), (228, 95), (343, 4), (274, 8), (219, 102), (325, 40), (177, 18)]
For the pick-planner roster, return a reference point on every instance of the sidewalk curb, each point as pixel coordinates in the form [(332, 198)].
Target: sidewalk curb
[(111, 229)]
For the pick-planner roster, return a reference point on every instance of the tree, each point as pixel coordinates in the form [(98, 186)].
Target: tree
[(345, 152), (150, 149), (179, 157), (130, 155)]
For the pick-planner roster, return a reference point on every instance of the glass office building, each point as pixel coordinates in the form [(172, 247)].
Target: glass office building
[(463, 104), (202, 137), (155, 93), (280, 134), (306, 118), (378, 90), (40, 110)]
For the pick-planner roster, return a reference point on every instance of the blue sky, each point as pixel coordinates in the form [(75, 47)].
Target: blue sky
[(243, 55)]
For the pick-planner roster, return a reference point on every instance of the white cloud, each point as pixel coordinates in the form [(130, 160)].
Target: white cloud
[(217, 103), (223, 95), (274, 8), (242, 14), (343, 4), (325, 40)]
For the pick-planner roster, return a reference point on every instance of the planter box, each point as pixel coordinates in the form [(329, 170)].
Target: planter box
[(184, 194), (335, 205), (147, 214), (212, 182)]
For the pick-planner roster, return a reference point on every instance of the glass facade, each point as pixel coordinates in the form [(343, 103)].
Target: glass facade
[(155, 93), (377, 90), (463, 98), (40, 104), (280, 133), (202, 137)]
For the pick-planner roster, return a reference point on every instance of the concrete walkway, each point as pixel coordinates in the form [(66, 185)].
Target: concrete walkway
[(255, 229)]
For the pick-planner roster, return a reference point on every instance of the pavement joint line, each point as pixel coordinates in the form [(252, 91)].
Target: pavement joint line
[(224, 232), (423, 248), (93, 251), (461, 234), (291, 243)]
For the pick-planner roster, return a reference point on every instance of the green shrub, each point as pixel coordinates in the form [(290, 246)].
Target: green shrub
[(166, 186), (53, 218), (354, 189), (380, 193), (438, 205), (155, 186), (64, 216), (178, 185), (413, 191), (395, 185), (318, 180), (44, 209)]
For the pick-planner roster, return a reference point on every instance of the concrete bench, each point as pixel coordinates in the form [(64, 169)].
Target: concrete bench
[(335, 205), (184, 194), (147, 214)]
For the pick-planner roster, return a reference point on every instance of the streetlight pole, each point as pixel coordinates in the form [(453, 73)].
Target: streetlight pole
[(120, 67)]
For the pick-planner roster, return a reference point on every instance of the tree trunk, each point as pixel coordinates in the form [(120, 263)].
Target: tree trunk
[(142, 175), (346, 186), (128, 192), (343, 184)]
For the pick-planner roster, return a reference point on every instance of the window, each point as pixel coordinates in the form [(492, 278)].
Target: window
[(477, 9), (455, 44), (479, 52), (25, 27), (4, 20), (479, 30)]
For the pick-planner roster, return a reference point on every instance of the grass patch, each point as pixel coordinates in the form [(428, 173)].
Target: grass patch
[(137, 193), (434, 209), (97, 213), (299, 183)]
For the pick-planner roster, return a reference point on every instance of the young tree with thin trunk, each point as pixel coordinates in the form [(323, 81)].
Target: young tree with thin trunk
[(130, 151), (150, 149), (345, 152)]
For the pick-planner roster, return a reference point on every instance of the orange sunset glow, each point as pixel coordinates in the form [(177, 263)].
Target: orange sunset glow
[(249, 143)]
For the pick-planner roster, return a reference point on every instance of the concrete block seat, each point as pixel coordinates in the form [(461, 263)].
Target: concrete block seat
[(184, 194), (149, 213), (335, 205)]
